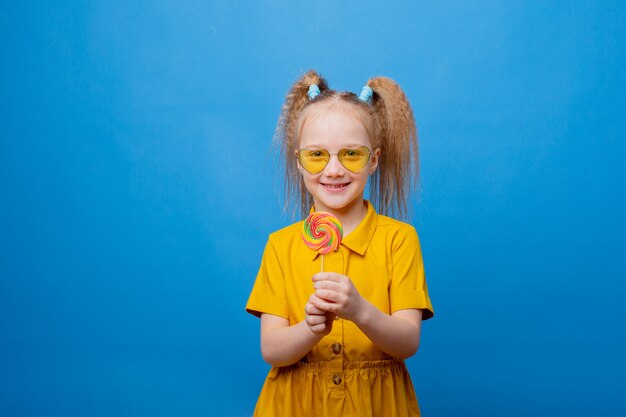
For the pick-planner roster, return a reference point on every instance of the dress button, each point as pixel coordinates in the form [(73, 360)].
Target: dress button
[(336, 348), (336, 379)]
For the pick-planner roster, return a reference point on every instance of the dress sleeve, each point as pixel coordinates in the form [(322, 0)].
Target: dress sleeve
[(408, 285), (268, 293)]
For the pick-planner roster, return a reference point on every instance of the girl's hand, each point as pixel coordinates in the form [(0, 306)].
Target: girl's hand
[(319, 321), (335, 293)]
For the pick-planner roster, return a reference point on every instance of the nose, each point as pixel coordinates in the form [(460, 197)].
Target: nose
[(334, 167)]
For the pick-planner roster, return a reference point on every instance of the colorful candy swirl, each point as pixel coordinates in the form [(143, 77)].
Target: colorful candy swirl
[(322, 232)]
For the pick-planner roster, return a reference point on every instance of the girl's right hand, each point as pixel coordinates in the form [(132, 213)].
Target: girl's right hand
[(319, 321)]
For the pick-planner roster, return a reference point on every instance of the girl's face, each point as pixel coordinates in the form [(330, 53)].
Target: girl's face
[(336, 189)]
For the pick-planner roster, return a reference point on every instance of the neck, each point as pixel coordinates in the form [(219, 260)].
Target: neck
[(350, 216)]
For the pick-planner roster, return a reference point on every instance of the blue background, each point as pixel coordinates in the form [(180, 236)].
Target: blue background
[(138, 190)]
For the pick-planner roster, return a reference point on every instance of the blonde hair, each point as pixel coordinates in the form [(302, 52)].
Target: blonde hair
[(388, 119)]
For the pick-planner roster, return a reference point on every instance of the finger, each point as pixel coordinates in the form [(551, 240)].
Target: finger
[(314, 298), (311, 309), (315, 320), (327, 285), (327, 276), (327, 295), (318, 328), (324, 305)]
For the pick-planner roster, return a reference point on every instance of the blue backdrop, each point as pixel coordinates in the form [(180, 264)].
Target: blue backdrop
[(138, 190)]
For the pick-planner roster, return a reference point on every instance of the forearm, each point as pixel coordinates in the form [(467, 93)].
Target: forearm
[(397, 335), (285, 345)]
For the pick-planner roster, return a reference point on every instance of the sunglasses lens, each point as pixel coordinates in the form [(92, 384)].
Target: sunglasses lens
[(354, 159), (314, 160)]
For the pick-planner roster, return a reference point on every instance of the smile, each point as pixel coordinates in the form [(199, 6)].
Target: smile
[(334, 188)]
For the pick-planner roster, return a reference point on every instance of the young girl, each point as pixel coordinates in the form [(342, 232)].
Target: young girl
[(336, 339)]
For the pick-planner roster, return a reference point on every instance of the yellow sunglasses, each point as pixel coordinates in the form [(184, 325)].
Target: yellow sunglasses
[(315, 160)]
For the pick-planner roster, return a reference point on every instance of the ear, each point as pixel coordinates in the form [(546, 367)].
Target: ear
[(374, 160), (295, 155)]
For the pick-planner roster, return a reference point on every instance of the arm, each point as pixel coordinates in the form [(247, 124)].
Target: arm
[(398, 334), (282, 344)]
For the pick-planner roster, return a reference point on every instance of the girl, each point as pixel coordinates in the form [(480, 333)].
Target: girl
[(337, 340)]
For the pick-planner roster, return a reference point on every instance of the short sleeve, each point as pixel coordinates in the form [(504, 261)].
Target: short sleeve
[(408, 284), (268, 294)]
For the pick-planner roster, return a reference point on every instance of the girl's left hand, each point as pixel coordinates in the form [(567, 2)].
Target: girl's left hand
[(337, 294)]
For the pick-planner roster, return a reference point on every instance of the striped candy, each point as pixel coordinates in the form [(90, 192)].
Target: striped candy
[(322, 232)]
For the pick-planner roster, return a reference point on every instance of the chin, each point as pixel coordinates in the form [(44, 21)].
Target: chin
[(339, 204)]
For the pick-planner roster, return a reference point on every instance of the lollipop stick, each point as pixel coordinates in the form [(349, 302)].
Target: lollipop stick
[(322, 269)]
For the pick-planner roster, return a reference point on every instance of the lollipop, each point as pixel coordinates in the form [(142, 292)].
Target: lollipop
[(322, 232)]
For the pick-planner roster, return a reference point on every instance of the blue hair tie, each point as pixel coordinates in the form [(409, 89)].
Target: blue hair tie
[(366, 94), (314, 91)]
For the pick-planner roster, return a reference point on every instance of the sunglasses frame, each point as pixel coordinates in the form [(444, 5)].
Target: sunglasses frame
[(330, 154)]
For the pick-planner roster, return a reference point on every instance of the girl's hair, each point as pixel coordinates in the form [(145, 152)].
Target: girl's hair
[(388, 119)]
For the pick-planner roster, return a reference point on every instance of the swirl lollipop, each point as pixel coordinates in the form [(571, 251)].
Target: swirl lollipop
[(322, 232)]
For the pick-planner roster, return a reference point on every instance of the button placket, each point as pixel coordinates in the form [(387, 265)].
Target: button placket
[(335, 369)]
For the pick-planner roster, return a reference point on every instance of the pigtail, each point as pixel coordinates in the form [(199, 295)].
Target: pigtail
[(398, 171), (285, 138)]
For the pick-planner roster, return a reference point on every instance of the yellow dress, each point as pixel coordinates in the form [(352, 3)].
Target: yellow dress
[(345, 374)]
